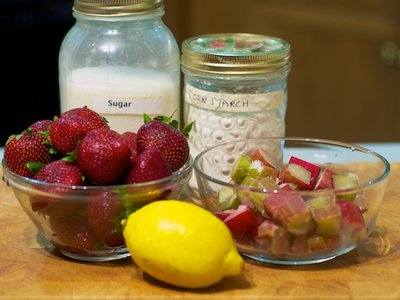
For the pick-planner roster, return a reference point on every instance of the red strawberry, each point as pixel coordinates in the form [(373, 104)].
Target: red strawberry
[(149, 165), (169, 140), (103, 217), (130, 138), (93, 119), (40, 126), (49, 206), (71, 233), (115, 240), (103, 156), (60, 172), (28, 147), (65, 133)]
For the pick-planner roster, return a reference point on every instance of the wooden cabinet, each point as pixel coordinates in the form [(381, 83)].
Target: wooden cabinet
[(345, 78)]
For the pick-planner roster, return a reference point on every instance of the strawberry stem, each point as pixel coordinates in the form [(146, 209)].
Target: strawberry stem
[(70, 157), (34, 167), (171, 122)]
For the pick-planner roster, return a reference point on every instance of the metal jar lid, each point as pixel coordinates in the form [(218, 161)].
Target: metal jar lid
[(235, 54), (116, 7)]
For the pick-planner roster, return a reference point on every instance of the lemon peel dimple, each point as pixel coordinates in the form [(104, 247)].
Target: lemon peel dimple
[(181, 244)]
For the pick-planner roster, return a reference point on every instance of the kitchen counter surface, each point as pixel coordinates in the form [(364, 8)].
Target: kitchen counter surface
[(32, 269)]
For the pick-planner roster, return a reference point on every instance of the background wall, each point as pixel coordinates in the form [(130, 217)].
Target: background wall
[(31, 32), (345, 79)]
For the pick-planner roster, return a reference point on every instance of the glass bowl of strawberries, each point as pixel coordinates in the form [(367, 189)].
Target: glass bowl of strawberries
[(78, 180), (293, 201)]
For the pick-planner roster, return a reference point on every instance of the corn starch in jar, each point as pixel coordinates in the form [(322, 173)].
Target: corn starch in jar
[(120, 60), (235, 87)]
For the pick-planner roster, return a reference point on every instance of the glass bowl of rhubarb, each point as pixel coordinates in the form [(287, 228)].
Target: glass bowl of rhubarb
[(85, 222), (293, 201)]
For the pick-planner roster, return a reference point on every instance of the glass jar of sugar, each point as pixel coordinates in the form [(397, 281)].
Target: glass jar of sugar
[(235, 87), (120, 60)]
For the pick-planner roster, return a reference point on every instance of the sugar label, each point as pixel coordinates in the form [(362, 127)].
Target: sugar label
[(129, 105)]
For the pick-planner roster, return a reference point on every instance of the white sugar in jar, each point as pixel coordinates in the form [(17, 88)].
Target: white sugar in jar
[(120, 60), (235, 87), (121, 94)]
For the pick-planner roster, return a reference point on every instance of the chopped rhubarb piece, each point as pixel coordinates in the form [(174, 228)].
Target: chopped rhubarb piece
[(269, 172), (280, 243), (325, 180), (273, 202), (353, 223), (322, 199), (265, 157), (258, 169), (290, 210), (288, 186), (227, 198), (222, 215), (253, 199), (300, 223), (241, 220), (351, 214), (362, 202), (267, 183), (255, 168), (328, 222), (326, 214), (295, 174), (256, 198), (298, 244), (316, 243), (301, 173), (241, 168), (265, 230), (346, 181)]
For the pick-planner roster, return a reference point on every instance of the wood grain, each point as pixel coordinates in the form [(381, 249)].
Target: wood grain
[(31, 269)]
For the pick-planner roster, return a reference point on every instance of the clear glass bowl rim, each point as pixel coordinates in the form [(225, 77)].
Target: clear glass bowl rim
[(18, 180), (328, 142)]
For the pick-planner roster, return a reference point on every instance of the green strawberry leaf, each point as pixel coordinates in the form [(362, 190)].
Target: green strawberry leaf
[(171, 122), (53, 151), (11, 137), (70, 157), (28, 131), (129, 208), (146, 118), (164, 119), (47, 142), (174, 123), (187, 128), (34, 167)]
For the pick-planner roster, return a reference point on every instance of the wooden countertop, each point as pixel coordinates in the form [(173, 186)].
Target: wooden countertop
[(30, 271)]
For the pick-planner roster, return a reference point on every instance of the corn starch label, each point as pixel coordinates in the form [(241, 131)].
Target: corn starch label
[(234, 102)]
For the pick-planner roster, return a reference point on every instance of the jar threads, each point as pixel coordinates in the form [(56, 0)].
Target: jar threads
[(235, 54), (116, 7)]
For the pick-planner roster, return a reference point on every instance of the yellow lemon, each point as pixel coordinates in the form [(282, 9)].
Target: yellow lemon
[(181, 244)]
